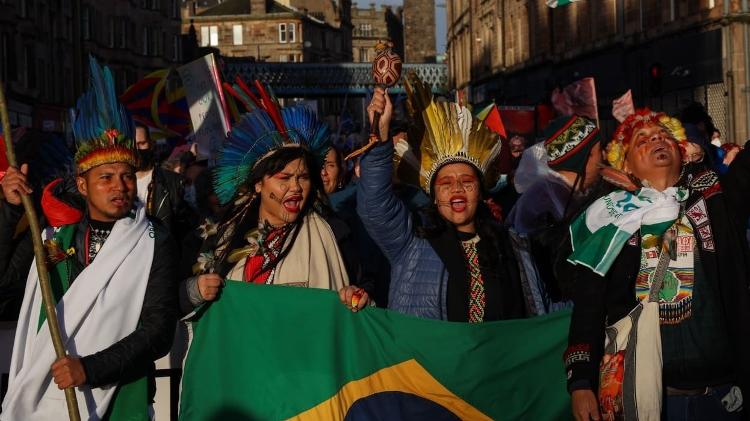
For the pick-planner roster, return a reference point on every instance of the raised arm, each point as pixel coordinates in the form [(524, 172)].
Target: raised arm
[(384, 216)]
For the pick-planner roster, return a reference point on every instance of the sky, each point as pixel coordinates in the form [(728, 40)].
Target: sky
[(440, 18)]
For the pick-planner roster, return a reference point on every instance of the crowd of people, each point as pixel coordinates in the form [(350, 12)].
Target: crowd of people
[(643, 235)]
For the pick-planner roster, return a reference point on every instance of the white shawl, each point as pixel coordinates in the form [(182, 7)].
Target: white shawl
[(102, 306), (314, 261)]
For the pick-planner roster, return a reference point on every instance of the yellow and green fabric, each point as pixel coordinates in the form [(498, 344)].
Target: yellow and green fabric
[(270, 352)]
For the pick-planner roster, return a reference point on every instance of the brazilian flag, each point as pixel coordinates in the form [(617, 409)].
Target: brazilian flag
[(272, 353)]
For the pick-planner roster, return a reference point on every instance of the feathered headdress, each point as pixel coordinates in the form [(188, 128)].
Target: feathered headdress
[(103, 128), (264, 129), (617, 149), (451, 135)]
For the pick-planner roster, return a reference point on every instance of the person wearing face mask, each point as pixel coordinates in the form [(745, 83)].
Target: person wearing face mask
[(269, 174), (671, 234), (160, 191), (451, 262)]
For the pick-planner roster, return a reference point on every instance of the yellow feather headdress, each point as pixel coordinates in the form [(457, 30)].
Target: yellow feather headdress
[(451, 134)]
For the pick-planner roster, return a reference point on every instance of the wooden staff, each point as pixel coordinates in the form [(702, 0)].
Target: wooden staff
[(386, 71), (41, 260)]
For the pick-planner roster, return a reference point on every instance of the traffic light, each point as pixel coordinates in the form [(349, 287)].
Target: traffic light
[(655, 77)]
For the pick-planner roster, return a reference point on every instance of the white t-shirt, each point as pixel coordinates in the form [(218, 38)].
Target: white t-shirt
[(143, 180)]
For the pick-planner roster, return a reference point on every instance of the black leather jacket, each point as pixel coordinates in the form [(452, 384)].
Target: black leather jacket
[(165, 201)]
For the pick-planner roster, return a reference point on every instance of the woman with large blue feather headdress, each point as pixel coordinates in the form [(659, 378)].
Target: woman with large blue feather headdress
[(268, 173)]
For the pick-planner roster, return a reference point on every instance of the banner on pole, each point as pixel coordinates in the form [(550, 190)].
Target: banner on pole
[(202, 84)]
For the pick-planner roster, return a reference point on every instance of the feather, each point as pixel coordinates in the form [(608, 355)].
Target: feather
[(248, 92), (265, 128), (236, 94), (271, 107), (101, 120)]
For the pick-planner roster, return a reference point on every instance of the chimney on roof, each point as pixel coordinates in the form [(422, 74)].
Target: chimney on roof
[(258, 7)]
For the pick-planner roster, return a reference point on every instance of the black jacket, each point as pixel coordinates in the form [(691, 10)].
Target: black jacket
[(165, 201), (604, 300), (16, 255), (132, 357)]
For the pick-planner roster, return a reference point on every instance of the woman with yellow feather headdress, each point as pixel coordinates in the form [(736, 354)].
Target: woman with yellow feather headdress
[(453, 262)]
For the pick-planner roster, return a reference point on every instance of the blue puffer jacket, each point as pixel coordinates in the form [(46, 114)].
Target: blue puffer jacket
[(419, 278)]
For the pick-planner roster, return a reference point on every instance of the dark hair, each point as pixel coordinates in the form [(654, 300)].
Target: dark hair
[(137, 125)]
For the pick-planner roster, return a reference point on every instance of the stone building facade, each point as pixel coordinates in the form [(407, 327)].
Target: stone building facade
[(371, 25), (419, 31), (273, 31), (517, 51), (44, 48)]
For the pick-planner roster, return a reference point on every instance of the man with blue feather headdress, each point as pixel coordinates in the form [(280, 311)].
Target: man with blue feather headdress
[(117, 303)]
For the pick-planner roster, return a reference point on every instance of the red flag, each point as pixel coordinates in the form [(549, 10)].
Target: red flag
[(493, 121), (577, 98), (622, 107)]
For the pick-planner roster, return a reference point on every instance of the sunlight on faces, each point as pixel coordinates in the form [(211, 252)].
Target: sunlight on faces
[(283, 195), (109, 189), (331, 172), (653, 153), (457, 195)]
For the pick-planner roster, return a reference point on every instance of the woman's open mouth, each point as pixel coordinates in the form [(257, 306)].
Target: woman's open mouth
[(293, 204), (458, 203)]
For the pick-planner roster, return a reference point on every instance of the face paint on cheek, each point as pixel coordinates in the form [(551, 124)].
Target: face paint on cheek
[(273, 197), (443, 203)]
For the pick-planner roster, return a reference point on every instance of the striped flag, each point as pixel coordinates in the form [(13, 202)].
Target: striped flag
[(154, 103), (555, 3)]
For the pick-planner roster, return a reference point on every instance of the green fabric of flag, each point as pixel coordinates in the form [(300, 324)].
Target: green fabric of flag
[(556, 3), (269, 352)]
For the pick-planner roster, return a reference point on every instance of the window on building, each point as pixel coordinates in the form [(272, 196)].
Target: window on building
[(214, 35), (293, 58), (30, 63), (365, 29), (176, 48), (237, 34), (205, 37), (363, 55), (146, 42), (111, 32), (123, 33), (209, 36), (86, 23), (283, 58), (287, 32)]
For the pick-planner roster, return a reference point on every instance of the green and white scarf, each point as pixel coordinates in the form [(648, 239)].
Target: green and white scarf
[(599, 234)]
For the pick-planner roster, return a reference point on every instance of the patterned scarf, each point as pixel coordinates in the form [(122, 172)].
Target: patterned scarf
[(260, 267), (477, 296)]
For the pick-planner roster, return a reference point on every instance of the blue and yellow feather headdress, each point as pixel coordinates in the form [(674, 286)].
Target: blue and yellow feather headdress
[(263, 130), (103, 128)]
